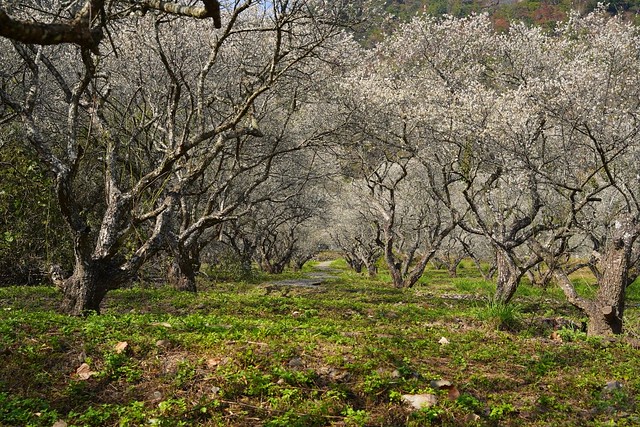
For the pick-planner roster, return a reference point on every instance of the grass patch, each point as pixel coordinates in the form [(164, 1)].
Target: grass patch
[(341, 354)]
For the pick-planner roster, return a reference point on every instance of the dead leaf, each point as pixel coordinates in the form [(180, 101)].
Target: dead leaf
[(453, 393), (84, 372), (556, 336), (443, 341), (213, 362), (121, 347), (59, 423)]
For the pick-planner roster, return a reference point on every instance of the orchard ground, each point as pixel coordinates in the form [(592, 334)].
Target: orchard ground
[(342, 353)]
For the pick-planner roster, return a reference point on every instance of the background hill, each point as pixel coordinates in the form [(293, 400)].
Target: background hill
[(502, 12)]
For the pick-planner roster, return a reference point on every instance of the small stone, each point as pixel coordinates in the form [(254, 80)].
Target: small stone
[(471, 418), (215, 390), (612, 386), (163, 344), (443, 341), (59, 423), (296, 362), (420, 401), (438, 384)]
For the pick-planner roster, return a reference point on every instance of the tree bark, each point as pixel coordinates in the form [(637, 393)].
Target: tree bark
[(372, 269), (183, 270), (85, 289), (605, 315), (508, 276)]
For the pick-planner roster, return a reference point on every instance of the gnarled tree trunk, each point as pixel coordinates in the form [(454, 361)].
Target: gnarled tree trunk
[(85, 289), (605, 311), (508, 276), (183, 270)]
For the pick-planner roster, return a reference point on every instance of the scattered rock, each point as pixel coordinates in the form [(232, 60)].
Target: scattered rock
[(165, 324), (296, 363), (163, 344), (438, 384), (59, 423), (612, 386), (420, 401), (334, 375), (443, 341)]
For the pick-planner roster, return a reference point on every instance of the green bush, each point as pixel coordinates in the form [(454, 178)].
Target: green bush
[(33, 234)]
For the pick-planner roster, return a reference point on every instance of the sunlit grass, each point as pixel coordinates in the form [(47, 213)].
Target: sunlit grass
[(253, 353)]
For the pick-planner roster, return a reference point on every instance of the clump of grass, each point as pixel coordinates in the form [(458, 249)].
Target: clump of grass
[(500, 315)]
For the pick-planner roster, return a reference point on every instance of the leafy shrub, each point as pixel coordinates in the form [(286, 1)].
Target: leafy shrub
[(33, 233)]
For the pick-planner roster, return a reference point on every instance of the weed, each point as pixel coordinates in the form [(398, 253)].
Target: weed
[(120, 366), (501, 410), (15, 410), (499, 315), (355, 417)]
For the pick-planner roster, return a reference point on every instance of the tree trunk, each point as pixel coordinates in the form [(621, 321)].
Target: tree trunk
[(605, 311), (452, 268), (182, 274), (372, 269), (184, 266), (508, 276), (356, 265), (605, 317), (85, 289)]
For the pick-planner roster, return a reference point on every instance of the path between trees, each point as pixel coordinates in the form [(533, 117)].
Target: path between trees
[(322, 272)]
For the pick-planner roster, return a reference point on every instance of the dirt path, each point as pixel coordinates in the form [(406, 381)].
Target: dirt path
[(322, 273)]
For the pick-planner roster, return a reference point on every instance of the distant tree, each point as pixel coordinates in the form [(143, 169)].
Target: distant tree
[(355, 231)]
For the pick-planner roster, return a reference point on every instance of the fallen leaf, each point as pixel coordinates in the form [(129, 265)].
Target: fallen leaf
[(443, 341), (59, 423), (84, 372), (213, 362), (556, 336), (453, 393), (121, 347)]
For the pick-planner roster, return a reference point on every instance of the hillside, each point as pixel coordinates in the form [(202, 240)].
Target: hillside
[(534, 12)]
